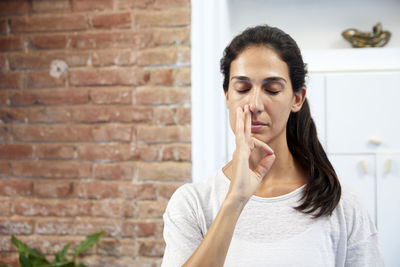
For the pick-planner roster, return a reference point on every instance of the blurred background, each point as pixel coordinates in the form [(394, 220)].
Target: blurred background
[(95, 124), (108, 106)]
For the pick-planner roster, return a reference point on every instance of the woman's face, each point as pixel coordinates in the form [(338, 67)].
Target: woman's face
[(259, 78)]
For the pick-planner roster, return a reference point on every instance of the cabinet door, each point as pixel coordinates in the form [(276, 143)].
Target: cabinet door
[(362, 113), (357, 173), (388, 207), (316, 99)]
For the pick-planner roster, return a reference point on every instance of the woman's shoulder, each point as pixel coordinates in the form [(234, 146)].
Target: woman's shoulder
[(196, 195)]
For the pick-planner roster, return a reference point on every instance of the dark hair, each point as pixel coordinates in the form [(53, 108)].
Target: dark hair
[(322, 191)]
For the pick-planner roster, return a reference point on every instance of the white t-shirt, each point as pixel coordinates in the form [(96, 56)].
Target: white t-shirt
[(269, 232)]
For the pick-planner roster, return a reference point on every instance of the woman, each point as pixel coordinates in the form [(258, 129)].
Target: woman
[(278, 202)]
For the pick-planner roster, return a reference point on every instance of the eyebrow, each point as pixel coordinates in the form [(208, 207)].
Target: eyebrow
[(266, 80)]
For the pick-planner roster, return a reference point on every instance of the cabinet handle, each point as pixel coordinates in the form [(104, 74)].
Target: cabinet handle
[(388, 165), (375, 140), (363, 166)]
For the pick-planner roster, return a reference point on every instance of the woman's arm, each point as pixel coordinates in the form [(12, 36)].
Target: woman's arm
[(244, 182)]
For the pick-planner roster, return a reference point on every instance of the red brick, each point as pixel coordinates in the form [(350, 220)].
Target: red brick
[(138, 229), (16, 151), (4, 208), (54, 189), (111, 227), (9, 259), (148, 153), (122, 76), (118, 57), (113, 95), (183, 115), (50, 244), (164, 171), (52, 132), (9, 80), (162, 95), (113, 132), (52, 169), (3, 63), (50, 5), (54, 227), (164, 115), (111, 114), (101, 190), (176, 152), (132, 4), (15, 226), (50, 114), (161, 77), (49, 23), (55, 151), (12, 7), (151, 248), (90, 5), (120, 39), (166, 190), (51, 207), (114, 171), (3, 25), (5, 133), (3, 98), (120, 20), (49, 41), (11, 43), (172, 3), (163, 134), (5, 168), (171, 36), (163, 18), (182, 76), (40, 60), (117, 208), (100, 261), (151, 208), (50, 97), (111, 152), (116, 247), (157, 56), (6, 245), (43, 79), (15, 188), (12, 115), (137, 191)]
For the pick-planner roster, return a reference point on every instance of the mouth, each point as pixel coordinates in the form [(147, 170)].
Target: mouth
[(257, 126)]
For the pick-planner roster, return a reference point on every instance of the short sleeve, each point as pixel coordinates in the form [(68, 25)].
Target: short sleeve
[(182, 232), (362, 239)]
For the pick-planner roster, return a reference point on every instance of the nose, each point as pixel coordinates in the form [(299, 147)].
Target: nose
[(256, 101)]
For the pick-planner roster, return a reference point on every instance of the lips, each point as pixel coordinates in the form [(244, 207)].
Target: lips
[(257, 126)]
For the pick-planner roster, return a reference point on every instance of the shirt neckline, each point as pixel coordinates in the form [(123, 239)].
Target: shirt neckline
[(289, 195)]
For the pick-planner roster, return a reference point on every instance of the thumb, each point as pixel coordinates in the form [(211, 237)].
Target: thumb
[(264, 165)]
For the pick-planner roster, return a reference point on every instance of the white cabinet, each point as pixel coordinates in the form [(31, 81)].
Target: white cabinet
[(362, 113), (388, 206), (358, 112)]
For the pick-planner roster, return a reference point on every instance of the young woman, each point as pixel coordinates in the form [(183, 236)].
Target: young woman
[(278, 202)]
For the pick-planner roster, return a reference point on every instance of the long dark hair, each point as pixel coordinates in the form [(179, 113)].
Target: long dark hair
[(322, 191)]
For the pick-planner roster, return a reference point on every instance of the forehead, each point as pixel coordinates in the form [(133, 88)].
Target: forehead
[(259, 62)]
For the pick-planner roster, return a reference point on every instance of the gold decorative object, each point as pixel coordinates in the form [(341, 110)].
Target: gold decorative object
[(376, 38)]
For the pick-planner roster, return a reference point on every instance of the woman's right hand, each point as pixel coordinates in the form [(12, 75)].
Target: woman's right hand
[(244, 181)]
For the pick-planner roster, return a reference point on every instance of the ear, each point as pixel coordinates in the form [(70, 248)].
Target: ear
[(298, 99)]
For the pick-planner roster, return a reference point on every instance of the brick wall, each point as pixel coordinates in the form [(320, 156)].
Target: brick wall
[(94, 124)]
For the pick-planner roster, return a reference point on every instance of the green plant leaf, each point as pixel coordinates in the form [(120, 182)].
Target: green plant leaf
[(24, 261), (89, 242), (61, 256), (63, 264), (28, 253), (81, 265)]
